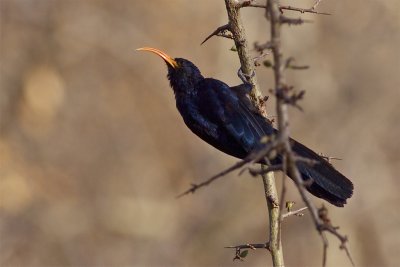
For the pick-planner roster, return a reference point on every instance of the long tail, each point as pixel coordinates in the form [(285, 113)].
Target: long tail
[(327, 183)]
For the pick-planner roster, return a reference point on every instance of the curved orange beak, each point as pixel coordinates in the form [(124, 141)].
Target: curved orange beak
[(160, 53)]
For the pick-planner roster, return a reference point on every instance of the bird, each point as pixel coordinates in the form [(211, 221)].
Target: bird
[(219, 115)]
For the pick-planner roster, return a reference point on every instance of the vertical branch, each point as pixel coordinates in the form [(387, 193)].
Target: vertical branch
[(274, 15), (275, 243), (247, 66), (236, 27), (281, 91)]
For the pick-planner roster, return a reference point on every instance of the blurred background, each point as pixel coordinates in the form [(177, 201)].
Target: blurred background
[(93, 150)]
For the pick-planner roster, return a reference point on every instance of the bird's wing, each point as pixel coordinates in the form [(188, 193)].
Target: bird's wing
[(223, 107)]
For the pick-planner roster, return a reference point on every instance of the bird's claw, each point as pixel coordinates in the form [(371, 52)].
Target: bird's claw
[(244, 77)]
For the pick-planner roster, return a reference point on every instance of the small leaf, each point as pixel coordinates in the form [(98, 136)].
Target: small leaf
[(233, 48), (289, 205), (267, 63), (244, 253)]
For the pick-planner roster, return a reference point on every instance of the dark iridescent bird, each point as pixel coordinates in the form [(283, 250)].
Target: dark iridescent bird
[(214, 112)]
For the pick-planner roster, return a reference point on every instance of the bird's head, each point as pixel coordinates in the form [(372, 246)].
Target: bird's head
[(182, 74)]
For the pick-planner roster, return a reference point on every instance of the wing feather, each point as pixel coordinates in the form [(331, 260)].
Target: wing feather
[(235, 118)]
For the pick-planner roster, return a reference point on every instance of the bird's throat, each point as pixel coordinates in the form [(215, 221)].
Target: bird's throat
[(184, 84)]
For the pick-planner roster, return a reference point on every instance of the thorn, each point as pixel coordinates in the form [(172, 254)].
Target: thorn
[(219, 32)]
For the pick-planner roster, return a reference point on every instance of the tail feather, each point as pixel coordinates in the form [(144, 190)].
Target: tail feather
[(327, 182)]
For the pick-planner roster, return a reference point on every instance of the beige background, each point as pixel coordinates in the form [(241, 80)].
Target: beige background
[(93, 150)]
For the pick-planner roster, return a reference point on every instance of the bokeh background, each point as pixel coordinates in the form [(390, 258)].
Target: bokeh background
[(93, 150)]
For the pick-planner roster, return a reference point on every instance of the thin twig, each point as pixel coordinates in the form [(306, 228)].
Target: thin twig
[(195, 187), (292, 21), (295, 212), (316, 4), (264, 170), (261, 47), (329, 158), (251, 246), (289, 65), (301, 10), (220, 31), (259, 57), (239, 254), (254, 157)]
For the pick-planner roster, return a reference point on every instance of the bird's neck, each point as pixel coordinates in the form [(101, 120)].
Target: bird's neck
[(186, 89), (185, 85)]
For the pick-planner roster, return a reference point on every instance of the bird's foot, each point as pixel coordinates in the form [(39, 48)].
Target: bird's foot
[(244, 77)]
